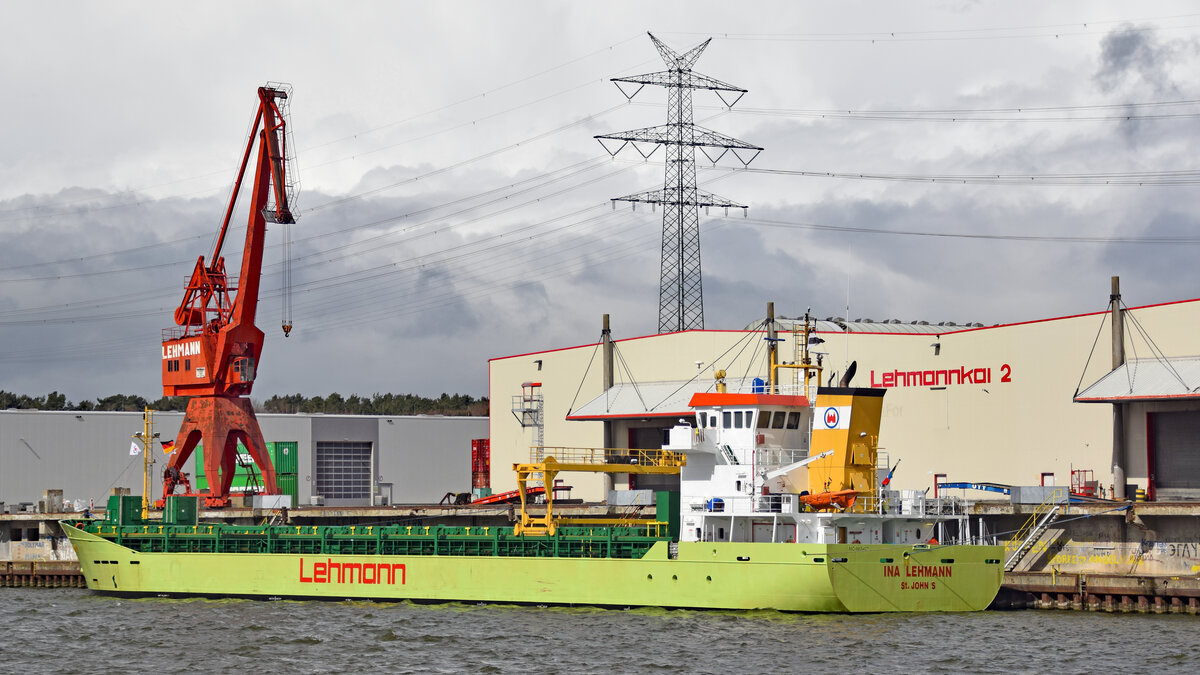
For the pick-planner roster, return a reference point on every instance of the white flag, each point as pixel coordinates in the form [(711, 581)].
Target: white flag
[(134, 449)]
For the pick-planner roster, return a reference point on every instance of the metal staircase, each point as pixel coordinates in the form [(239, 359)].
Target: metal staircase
[(529, 409), (727, 452), (1035, 526)]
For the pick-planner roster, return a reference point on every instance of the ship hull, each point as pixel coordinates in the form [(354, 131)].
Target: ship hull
[(787, 577)]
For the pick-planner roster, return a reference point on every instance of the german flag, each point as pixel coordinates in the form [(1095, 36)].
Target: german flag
[(168, 446)]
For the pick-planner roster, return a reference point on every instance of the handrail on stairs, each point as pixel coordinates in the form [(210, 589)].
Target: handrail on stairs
[(1034, 525)]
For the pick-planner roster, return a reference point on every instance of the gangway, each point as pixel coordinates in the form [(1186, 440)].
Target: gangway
[(986, 487), (549, 461), (511, 496)]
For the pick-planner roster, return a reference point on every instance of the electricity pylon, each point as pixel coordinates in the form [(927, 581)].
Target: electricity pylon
[(680, 292)]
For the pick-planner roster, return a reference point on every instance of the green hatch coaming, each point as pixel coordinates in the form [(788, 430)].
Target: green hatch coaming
[(393, 540)]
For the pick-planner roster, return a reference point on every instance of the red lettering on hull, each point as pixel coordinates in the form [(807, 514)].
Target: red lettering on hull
[(928, 571), (330, 572)]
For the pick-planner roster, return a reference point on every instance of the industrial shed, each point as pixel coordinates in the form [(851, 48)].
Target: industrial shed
[(964, 403), (1158, 401), (347, 460)]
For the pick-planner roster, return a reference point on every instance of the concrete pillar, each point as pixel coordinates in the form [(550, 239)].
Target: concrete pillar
[(1118, 359)]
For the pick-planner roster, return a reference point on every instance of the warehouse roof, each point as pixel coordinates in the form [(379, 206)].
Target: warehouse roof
[(1147, 380), (840, 325)]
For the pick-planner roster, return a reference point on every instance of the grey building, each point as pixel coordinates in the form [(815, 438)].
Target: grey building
[(345, 459)]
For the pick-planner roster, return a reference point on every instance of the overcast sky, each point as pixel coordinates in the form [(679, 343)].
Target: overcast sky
[(990, 162)]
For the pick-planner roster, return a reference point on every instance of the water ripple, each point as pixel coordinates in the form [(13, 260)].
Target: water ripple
[(157, 635)]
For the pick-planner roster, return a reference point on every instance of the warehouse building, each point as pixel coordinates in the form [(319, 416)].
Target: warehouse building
[(1011, 404), (344, 460)]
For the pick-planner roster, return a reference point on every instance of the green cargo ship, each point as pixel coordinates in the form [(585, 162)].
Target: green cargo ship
[(609, 566), (758, 523)]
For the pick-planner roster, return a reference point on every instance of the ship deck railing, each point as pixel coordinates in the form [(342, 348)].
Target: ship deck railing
[(772, 457), (599, 457), (915, 502), (890, 503), (391, 540)]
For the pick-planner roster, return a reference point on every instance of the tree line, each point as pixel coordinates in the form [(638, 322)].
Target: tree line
[(378, 404), (333, 404), (56, 401)]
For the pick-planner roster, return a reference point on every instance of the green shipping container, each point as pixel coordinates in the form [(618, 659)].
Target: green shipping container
[(289, 484), (124, 509), (284, 456), (248, 478), (181, 510)]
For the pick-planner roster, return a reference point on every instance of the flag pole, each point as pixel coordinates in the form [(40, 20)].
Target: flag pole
[(146, 437)]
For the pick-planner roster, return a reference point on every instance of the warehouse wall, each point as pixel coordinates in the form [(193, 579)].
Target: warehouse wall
[(86, 454), (1012, 419), (426, 457), (653, 358)]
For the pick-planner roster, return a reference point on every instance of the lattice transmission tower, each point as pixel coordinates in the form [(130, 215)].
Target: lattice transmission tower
[(680, 293)]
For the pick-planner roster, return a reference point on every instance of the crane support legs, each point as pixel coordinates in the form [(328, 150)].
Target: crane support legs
[(221, 422)]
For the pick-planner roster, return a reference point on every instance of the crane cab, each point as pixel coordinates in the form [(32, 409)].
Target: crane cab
[(242, 370), (183, 364)]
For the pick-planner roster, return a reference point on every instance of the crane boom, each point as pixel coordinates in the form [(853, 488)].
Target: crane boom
[(212, 354)]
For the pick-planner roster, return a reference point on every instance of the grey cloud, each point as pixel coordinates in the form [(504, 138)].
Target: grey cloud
[(1133, 55)]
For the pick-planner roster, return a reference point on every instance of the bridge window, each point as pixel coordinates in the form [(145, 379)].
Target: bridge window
[(777, 421), (737, 419), (764, 419), (793, 421), (726, 420), (702, 419)]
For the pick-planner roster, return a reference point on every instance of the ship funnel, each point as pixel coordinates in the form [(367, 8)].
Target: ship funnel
[(846, 422)]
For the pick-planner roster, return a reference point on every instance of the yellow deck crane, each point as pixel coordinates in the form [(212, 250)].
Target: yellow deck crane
[(549, 462)]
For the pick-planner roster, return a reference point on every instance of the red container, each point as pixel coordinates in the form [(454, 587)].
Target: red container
[(481, 463)]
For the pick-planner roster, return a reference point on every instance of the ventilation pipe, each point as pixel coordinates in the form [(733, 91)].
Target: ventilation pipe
[(606, 370)]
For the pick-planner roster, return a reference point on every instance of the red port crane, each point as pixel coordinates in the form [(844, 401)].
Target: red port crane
[(212, 353)]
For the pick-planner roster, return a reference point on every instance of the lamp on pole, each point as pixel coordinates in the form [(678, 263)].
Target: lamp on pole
[(146, 437)]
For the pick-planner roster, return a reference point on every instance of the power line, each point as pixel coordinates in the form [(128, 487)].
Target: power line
[(963, 117), (1086, 239), (951, 34), (480, 95), (968, 111), (457, 165), (547, 178), (1134, 178), (521, 80)]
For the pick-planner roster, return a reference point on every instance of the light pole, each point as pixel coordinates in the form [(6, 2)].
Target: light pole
[(147, 438)]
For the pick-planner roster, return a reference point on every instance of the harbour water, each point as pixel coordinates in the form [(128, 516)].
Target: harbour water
[(74, 631)]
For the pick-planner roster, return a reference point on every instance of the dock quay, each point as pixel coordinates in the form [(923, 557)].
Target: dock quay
[(1099, 556)]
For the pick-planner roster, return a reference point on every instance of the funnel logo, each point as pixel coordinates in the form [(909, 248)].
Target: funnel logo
[(831, 418), (836, 417)]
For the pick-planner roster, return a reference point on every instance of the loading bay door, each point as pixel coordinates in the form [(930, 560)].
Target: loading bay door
[(343, 472), (1174, 439)]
